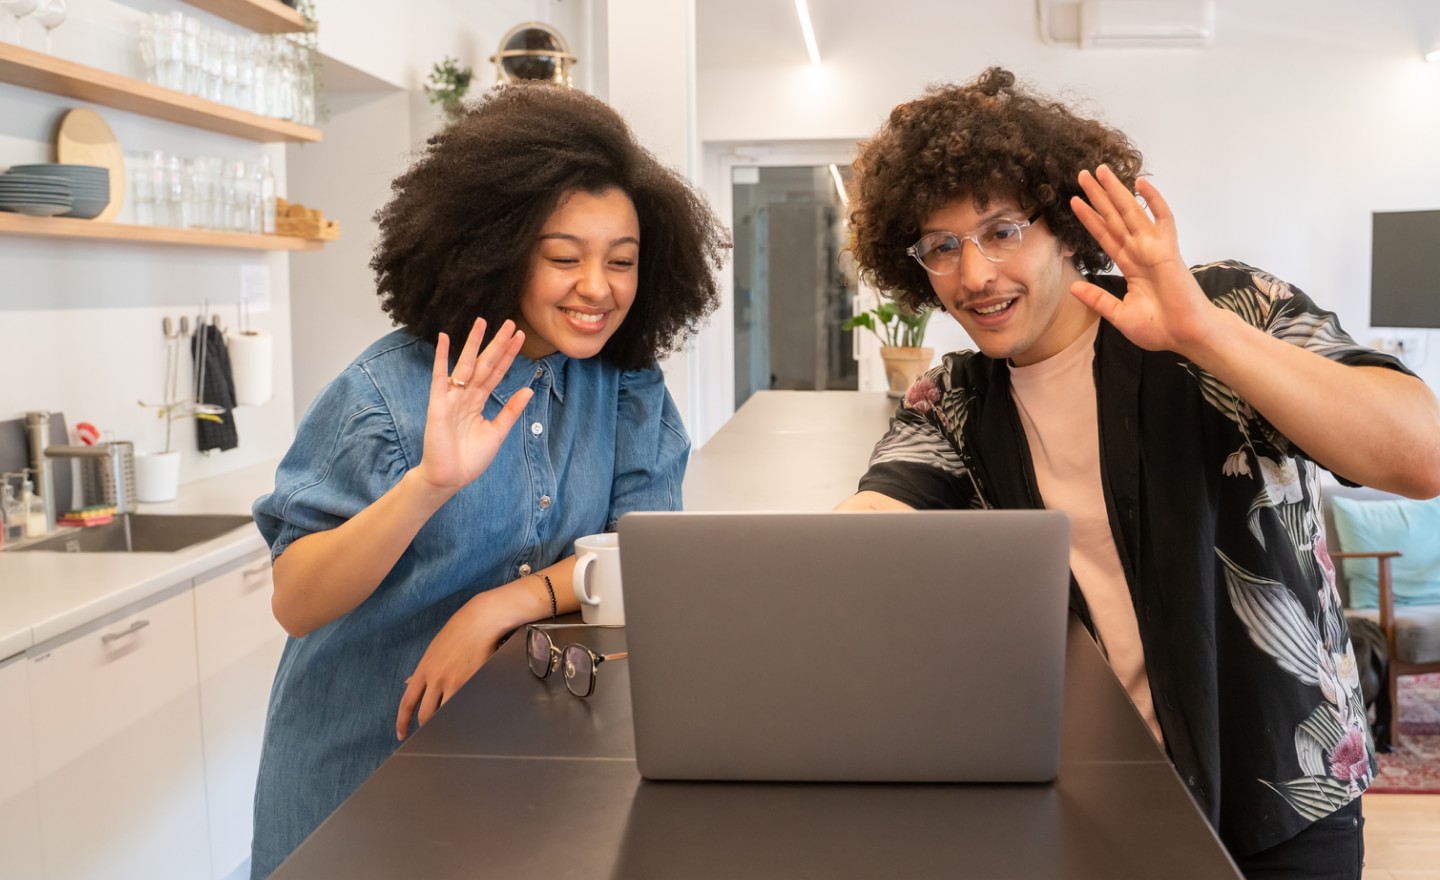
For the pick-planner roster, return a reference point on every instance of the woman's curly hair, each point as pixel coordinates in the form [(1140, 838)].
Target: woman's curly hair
[(987, 140), (457, 238)]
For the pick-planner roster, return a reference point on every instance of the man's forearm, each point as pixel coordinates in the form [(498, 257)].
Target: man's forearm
[(1371, 425)]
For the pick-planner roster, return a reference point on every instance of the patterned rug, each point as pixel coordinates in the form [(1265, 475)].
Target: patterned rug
[(1413, 767)]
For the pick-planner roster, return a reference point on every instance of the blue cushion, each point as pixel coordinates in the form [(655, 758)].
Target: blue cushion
[(1410, 527)]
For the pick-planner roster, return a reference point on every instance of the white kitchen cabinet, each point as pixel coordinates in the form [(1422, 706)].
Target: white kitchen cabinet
[(119, 762), (239, 645), (19, 807)]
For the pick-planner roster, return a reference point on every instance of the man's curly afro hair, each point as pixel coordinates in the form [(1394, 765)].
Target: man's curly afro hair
[(457, 238), (987, 140)]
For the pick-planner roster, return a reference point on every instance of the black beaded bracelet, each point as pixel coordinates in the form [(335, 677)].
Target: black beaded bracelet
[(550, 588)]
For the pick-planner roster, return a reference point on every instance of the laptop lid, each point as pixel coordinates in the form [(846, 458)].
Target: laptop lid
[(922, 646)]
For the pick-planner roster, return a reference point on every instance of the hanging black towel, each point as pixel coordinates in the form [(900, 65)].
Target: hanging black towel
[(217, 387)]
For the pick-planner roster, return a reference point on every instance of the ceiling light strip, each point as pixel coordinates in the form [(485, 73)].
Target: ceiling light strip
[(804, 12)]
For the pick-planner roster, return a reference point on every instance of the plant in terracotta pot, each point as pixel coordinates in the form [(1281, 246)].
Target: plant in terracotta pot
[(901, 333)]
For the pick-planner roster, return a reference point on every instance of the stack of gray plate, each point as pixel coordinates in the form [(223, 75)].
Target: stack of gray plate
[(89, 185), (35, 194)]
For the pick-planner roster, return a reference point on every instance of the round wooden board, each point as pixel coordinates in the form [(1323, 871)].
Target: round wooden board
[(85, 139)]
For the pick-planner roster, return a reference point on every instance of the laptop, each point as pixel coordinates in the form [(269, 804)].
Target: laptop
[(923, 646)]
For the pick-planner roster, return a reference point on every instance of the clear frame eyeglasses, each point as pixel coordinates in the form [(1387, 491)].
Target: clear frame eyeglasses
[(577, 662), (939, 252)]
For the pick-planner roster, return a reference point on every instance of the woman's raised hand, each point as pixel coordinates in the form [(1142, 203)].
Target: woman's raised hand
[(460, 442)]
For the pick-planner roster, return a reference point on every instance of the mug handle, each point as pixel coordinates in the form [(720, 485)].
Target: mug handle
[(582, 565)]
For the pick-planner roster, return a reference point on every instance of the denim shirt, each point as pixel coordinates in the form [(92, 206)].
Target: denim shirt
[(594, 443)]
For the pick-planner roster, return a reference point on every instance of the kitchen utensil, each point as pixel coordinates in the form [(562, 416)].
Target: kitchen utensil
[(84, 138), (98, 477)]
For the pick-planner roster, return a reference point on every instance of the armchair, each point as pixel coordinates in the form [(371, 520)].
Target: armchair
[(1412, 631)]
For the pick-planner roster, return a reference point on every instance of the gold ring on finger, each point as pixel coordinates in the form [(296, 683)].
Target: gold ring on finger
[(456, 383)]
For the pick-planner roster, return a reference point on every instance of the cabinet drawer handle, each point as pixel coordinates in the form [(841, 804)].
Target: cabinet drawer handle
[(253, 579), (133, 628)]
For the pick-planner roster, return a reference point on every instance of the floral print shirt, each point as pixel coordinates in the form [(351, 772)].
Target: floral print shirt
[(1217, 518)]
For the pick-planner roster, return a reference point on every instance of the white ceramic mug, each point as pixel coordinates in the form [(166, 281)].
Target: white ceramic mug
[(597, 579)]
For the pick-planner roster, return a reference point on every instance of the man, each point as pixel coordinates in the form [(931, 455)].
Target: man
[(1177, 415)]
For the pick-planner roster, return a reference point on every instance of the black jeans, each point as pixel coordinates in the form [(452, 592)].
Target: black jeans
[(1331, 849)]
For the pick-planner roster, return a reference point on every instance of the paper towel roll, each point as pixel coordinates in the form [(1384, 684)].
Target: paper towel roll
[(252, 362)]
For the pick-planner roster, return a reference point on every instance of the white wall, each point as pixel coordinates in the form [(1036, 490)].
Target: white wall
[(1273, 145), (647, 55)]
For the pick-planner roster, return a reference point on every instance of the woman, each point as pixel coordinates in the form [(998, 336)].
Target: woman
[(410, 533)]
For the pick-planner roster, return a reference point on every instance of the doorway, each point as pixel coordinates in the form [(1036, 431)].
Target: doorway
[(731, 357), (791, 296)]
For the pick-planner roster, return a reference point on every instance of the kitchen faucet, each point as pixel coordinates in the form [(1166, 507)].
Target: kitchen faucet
[(37, 427)]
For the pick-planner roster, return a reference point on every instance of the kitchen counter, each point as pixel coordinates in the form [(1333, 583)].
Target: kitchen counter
[(45, 594)]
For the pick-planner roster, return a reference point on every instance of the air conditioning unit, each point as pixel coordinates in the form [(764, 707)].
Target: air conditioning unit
[(1142, 24)]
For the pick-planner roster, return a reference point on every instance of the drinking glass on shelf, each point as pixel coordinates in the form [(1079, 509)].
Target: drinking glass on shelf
[(260, 58), (204, 188), (19, 9), (194, 65), (214, 61), (189, 196), (146, 44), (245, 87), (50, 14), (232, 70), (159, 190), (170, 32), (137, 172), (285, 108), (233, 186)]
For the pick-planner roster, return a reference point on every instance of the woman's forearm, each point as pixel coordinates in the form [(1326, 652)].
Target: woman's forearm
[(325, 575)]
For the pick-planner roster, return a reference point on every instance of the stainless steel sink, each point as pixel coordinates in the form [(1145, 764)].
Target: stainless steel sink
[(142, 533)]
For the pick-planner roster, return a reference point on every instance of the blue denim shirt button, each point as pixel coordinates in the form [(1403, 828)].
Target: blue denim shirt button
[(539, 371), (524, 568), (544, 502), (537, 429)]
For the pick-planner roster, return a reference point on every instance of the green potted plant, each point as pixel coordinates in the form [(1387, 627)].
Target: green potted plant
[(901, 332), (447, 87)]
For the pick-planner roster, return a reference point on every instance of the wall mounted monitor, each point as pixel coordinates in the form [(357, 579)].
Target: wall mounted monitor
[(1405, 269)]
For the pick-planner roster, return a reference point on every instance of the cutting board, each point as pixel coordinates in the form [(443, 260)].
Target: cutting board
[(84, 138)]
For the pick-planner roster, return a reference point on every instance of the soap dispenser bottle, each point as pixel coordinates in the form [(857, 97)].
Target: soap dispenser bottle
[(14, 514), (36, 525)]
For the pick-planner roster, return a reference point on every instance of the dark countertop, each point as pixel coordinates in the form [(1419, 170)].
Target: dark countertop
[(515, 777)]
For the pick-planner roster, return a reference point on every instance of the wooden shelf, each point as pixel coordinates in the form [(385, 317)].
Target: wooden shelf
[(46, 73), (261, 16), (91, 230)]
